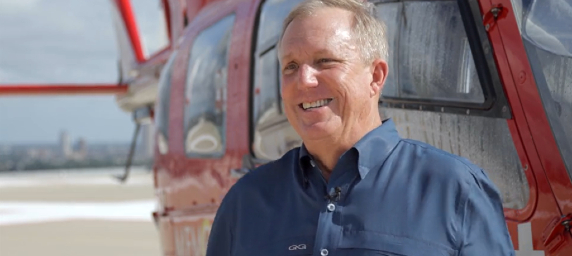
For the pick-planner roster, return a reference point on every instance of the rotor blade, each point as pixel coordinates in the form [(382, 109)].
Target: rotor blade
[(60, 89)]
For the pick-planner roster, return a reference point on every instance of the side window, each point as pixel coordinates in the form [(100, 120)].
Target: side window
[(272, 14), (163, 104), (266, 91), (205, 91), (272, 134), (430, 60), (425, 64)]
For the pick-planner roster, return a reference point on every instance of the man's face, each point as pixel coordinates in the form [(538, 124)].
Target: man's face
[(326, 86)]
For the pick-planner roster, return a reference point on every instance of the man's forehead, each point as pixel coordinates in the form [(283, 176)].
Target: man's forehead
[(325, 16), (321, 29)]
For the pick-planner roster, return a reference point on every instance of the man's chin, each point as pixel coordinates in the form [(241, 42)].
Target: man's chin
[(317, 131)]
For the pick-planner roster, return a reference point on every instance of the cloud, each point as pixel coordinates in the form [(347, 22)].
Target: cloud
[(152, 26), (6, 75), (59, 41), (11, 6)]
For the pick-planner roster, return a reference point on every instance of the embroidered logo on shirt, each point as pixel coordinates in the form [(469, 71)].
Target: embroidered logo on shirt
[(297, 247)]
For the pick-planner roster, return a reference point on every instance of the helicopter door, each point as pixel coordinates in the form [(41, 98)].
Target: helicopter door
[(547, 49)]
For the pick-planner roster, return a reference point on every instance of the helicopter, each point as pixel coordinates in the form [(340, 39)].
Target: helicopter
[(488, 80)]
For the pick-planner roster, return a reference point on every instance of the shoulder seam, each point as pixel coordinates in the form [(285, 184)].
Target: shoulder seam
[(388, 155), (432, 148)]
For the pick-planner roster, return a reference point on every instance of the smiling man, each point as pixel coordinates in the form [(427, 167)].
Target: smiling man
[(354, 187)]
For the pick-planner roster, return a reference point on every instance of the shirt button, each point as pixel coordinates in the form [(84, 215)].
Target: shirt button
[(324, 252), (331, 207)]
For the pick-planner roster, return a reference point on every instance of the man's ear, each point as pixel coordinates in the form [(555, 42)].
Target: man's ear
[(379, 74)]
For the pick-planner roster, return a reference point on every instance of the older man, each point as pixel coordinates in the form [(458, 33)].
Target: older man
[(354, 187)]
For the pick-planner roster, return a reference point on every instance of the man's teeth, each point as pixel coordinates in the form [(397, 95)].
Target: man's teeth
[(315, 104)]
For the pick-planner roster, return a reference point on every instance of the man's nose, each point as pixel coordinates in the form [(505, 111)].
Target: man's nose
[(307, 77)]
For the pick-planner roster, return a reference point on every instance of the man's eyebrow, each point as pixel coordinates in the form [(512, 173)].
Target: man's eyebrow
[(286, 57), (323, 52), (319, 52)]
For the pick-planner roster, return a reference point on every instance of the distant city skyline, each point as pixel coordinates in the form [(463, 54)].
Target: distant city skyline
[(62, 41)]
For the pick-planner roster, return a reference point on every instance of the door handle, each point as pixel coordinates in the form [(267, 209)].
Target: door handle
[(558, 229)]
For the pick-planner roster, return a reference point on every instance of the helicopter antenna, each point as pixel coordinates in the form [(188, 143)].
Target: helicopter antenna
[(123, 178)]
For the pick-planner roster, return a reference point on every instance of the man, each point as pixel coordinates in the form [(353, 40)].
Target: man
[(354, 187)]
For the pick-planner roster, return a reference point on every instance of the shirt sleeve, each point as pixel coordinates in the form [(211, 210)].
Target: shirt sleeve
[(220, 238), (484, 227)]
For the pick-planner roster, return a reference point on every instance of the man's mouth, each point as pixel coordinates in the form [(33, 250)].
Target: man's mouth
[(315, 104)]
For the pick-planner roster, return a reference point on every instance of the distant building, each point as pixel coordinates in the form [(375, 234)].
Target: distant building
[(81, 152), (32, 153), (65, 144), (5, 150)]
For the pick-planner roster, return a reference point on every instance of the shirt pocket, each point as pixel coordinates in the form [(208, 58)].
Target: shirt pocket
[(298, 245), (366, 243)]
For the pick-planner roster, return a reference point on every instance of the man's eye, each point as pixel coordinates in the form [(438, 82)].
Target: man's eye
[(290, 66), (325, 60)]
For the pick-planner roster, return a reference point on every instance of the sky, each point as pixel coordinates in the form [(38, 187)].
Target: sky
[(65, 41)]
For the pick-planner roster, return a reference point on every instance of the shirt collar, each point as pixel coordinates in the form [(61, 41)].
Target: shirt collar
[(305, 164), (304, 158), (373, 149)]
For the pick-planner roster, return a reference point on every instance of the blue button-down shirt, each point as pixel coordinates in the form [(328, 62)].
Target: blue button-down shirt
[(385, 196)]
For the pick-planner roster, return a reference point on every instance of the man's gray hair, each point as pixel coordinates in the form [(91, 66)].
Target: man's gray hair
[(369, 32)]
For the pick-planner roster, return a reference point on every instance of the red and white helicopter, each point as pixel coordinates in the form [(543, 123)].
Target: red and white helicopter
[(489, 80)]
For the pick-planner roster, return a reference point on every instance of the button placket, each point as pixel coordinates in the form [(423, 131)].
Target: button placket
[(328, 231)]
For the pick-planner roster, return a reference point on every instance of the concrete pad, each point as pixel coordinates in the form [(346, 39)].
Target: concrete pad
[(74, 193), (77, 213), (86, 238)]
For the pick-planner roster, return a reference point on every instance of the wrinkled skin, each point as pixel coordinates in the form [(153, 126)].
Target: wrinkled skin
[(320, 60)]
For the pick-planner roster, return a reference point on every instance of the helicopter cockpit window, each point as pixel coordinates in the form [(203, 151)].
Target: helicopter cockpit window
[(430, 57), (205, 91), (547, 36), (163, 104), (272, 135)]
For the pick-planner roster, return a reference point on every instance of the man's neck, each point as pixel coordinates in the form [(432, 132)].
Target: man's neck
[(327, 151)]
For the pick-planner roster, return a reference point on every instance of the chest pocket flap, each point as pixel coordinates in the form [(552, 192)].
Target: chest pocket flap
[(298, 245), (391, 245)]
